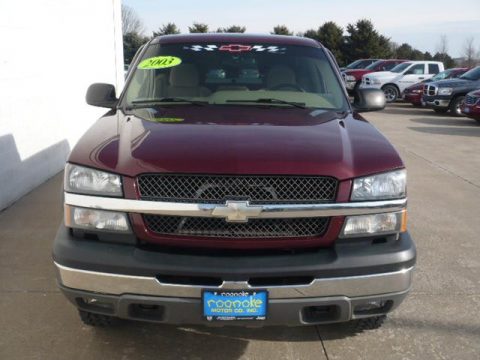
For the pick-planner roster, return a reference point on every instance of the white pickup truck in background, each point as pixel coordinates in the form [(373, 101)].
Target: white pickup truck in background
[(395, 81)]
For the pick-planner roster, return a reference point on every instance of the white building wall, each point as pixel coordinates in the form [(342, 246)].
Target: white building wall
[(50, 52)]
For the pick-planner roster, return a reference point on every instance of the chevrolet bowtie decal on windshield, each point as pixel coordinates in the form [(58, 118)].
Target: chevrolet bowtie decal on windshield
[(236, 48)]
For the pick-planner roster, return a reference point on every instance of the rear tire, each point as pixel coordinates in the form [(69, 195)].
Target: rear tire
[(391, 93), (455, 106), (441, 111), (96, 320)]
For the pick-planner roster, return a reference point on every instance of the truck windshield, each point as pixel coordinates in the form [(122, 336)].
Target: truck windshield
[(358, 64), (354, 65), (442, 75), (473, 74), (235, 74), (400, 67), (374, 65)]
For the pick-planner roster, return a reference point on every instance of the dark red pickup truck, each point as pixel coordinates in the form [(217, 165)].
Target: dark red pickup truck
[(233, 182)]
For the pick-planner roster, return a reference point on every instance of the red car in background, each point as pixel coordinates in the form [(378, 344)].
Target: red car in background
[(413, 94), (471, 105), (353, 78)]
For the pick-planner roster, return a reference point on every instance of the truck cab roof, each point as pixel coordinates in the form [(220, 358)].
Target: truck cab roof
[(236, 37)]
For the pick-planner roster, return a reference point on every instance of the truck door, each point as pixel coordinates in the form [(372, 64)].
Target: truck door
[(413, 75)]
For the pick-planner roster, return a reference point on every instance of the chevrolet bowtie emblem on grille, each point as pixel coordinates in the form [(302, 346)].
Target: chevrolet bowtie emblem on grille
[(237, 211)]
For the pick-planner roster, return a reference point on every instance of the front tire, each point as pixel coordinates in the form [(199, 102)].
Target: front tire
[(370, 323), (391, 93), (455, 106), (96, 320)]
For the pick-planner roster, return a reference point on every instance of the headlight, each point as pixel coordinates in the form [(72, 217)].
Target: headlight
[(391, 185), (377, 224), (350, 78), (83, 180), (445, 91), (98, 220), (417, 91)]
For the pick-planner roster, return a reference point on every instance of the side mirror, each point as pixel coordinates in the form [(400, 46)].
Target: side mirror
[(101, 95), (369, 100)]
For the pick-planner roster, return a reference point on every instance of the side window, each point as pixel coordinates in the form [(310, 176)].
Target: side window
[(389, 66), (433, 69), (418, 69)]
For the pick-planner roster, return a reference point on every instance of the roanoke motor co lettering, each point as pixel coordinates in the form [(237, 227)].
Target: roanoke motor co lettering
[(250, 305)]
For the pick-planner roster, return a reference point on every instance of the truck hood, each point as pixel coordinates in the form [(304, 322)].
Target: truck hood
[(358, 73), (418, 86), (235, 140), (456, 83), (384, 75)]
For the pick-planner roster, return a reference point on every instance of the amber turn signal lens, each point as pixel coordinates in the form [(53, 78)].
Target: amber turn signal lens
[(403, 228), (67, 215)]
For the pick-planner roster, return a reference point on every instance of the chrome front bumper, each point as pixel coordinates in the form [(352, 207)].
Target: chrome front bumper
[(350, 286), (232, 208), (439, 103)]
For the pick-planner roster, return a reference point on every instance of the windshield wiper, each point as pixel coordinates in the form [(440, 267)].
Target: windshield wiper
[(270, 101), (138, 104)]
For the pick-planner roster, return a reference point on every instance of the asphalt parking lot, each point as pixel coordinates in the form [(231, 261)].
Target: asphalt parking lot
[(439, 320)]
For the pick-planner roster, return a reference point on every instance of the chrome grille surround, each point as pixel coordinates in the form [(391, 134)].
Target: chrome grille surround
[(257, 189), (254, 228)]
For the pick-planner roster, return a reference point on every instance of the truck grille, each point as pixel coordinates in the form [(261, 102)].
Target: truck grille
[(254, 228), (217, 189), (430, 90), (471, 100)]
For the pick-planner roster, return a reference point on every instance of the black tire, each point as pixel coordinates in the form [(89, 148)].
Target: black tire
[(455, 106), (97, 320), (441, 111), (355, 88), (391, 93), (370, 323)]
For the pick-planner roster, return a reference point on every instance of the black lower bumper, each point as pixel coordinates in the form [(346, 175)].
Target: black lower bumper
[(322, 286), (349, 259)]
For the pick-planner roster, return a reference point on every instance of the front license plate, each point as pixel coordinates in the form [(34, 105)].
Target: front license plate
[(466, 110), (228, 305)]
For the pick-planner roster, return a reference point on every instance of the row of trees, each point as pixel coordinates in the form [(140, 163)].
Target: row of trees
[(358, 40)]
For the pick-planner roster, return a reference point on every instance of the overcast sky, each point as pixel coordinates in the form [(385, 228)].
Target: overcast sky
[(418, 22)]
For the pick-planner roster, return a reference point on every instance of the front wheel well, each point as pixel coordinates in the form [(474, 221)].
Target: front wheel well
[(457, 95), (391, 84)]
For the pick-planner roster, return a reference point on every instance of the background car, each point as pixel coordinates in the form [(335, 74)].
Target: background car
[(394, 82), (445, 95), (353, 77), (414, 93), (359, 64), (471, 105)]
